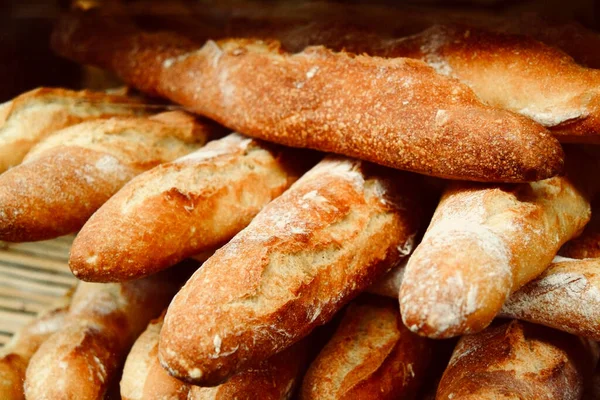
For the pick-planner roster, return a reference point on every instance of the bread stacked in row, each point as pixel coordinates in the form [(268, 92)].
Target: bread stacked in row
[(292, 238)]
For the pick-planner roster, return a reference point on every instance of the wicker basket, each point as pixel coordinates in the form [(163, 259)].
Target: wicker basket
[(32, 275)]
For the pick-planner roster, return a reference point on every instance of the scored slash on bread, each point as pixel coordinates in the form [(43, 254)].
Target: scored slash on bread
[(66, 177), (395, 112), (273, 379), (306, 254), (81, 360), (32, 116), (179, 209), (371, 355), (518, 360)]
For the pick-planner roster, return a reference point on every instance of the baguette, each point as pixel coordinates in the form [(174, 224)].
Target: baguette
[(549, 87), (518, 360), (65, 178), (15, 356), (371, 355), (483, 243), (306, 254), (564, 100), (144, 378), (566, 296), (182, 208), (32, 116), (394, 112), (103, 322)]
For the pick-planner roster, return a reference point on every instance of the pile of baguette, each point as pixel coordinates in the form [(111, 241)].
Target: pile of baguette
[(312, 201)]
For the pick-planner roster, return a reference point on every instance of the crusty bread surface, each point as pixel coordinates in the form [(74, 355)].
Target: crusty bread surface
[(306, 254), (371, 355), (396, 112), (84, 358), (273, 379), (143, 377), (483, 243), (182, 208), (66, 177), (15, 355), (518, 360), (32, 116)]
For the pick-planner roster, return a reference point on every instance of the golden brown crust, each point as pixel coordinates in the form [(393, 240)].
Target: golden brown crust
[(371, 355), (65, 178), (549, 86), (15, 355), (32, 116), (103, 322), (518, 360), (307, 253), (182, 208), (273, 379), (565, 297), (395, 112), (565, 100), (483, 243), (143, 377)]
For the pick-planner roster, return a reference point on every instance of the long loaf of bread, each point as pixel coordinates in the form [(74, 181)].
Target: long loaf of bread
[(371, 355), (84, 357), (564, 100), (550, 87), (65, 178), (566, 296), (483, 243), (15, 356), (518, 360), (311, 250), (182, 208), (144, 378), (32, 116), (395, 112)]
